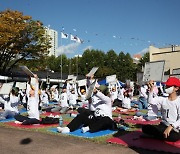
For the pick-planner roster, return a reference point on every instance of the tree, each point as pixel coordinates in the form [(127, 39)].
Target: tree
[(142, 61), (20, 38), (90, 59), (111, 59)]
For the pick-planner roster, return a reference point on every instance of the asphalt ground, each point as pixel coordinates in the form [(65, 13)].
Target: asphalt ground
[(17, 141)]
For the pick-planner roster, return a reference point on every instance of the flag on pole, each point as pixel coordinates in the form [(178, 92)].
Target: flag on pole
[(72, 38), (76, 39), (64, 35)]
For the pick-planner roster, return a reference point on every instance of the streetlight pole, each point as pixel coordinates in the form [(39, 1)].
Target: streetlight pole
[(77, 66)]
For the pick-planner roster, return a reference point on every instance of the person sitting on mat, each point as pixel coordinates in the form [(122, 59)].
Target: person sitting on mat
[(93, 121), (32, 104), (152, 113), (73, 99), (11, 106), (63, 105), (126, 102), (83, 102), (169, 128)]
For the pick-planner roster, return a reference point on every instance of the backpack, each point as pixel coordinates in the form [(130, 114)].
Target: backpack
[(50, 120)]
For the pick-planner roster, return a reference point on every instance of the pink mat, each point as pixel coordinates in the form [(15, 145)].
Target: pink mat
[(35, 125), (124, 118), (142, 122), (126, 112), (134, 140)]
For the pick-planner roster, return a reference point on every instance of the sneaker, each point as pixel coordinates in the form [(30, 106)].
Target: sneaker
[(85, 129), (57, 116), (60, 129), (51, 115), (73, 115), (113, 108), (65, 130), (17, 122)]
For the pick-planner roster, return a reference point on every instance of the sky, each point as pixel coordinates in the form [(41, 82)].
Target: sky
[(130, 26)]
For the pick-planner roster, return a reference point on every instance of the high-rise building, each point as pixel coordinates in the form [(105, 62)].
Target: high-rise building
[(54, 40)]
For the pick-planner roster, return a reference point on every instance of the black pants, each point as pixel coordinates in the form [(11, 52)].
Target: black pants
[(158, 130), (26, 120), (117, 102), (87, 119)]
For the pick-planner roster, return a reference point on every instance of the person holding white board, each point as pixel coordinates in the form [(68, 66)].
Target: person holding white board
[(32, 104), (169, 128)]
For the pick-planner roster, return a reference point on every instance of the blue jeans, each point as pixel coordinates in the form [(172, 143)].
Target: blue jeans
[(145, 116), (8, 114), (143, 104)]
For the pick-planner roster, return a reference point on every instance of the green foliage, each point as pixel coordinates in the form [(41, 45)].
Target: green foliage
[(20, 38), (145, 58), (110, 63)]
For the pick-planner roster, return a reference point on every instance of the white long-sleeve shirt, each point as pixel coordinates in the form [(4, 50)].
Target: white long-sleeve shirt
[(64, 100), (55, 95), (33, 102), (8, 105), (170, 110), (72, 99), (126, 102), (121, 94), (113, 95), (103, 107), (44, 97), (143, 93)]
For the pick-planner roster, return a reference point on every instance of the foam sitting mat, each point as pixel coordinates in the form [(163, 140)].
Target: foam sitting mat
[(133, 121), (7, 120), (78, 133), (134, 139)]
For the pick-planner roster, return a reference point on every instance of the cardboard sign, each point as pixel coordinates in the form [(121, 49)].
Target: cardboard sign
[(111, 78), (33, 82), (73, 80), (54, 87), (154, 71), (27, 71), (90, 90), (6, 88), (21, 85), (92, 72), (82, 82), (176, 71), (70, 77)]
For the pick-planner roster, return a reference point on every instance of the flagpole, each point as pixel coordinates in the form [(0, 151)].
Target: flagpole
[(61, 64), (70, 58)]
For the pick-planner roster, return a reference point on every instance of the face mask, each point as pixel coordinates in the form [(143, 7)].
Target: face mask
[(169, 90)]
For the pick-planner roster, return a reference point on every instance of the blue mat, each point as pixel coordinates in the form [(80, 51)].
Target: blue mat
[(7, 120), (78, 133), (53, 102), (23, 110), (123, 127)]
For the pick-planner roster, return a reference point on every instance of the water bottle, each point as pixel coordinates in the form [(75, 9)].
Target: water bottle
[(119, 117), (60, 121)]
